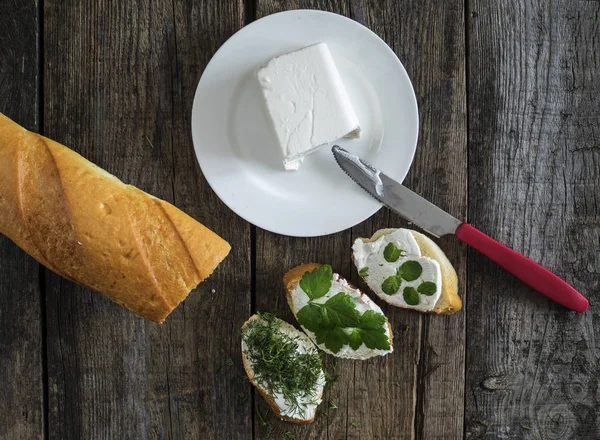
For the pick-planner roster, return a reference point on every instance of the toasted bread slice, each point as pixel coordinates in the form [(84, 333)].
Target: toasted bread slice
[(448, 302), (276, 401), (291, 281)]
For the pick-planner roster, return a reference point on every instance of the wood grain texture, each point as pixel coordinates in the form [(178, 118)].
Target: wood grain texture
[(534, 150), (378, 398), (275, 255), (21, 335), (119, 84), (429, 40)]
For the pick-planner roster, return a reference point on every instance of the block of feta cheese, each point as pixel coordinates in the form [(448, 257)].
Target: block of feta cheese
[(307, 102)]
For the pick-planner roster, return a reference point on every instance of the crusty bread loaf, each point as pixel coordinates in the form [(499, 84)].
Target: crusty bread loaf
[(88, 226), (449, 301), (301, 339), (292, 278)]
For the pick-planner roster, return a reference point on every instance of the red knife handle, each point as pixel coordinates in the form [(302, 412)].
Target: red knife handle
[(528, 271)]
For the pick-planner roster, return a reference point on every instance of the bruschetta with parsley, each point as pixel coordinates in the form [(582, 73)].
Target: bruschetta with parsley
[(407, 269), (285, 366), (339, 318)]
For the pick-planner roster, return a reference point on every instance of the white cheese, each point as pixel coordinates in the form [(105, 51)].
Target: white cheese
[(307, 102), (307, 404), (370, 255), (362, 303)]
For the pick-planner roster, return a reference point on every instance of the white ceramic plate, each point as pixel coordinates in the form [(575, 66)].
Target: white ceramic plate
[(236, 147)]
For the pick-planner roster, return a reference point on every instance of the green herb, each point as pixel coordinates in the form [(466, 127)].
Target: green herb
[(337, 322), (397, 384), (391, 253), (265, 421), (427, 288), (334, 339), (355, 424), (242, 397), (364, 272), (289, 435), (410, 271), (229, 362), (354, 339), (332, 405), (331, 378), (526, 427), (310, 317), (278, 365), (411, 297), (372, 330), (317, 282), (391, 285), (338, 310)]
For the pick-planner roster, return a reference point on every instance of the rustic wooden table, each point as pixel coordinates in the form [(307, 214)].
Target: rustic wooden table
[(509, 102)]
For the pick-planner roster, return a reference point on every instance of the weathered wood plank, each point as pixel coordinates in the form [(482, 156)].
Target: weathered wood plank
[(119, 84), (377, 398), (534, 147), (218, 309), (21, 336), (276, 254), (422, 383)]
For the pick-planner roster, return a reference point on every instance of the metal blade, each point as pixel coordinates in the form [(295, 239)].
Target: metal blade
[(395, 196)]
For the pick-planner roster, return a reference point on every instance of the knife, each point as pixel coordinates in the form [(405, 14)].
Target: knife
[(437, 222)]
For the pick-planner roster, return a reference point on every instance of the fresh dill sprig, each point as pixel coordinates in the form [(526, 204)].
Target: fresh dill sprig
[(279, 366)]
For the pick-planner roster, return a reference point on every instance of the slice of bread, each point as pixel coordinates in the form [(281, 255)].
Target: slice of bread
[(449, 302), (277, 402), (292, 279)]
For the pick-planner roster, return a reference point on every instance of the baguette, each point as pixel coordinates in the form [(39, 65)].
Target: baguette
[(88, 226), (448, 302), (308, 403), (297, 300)]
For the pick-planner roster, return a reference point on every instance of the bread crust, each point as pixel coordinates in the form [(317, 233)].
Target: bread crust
[(449, 301), (88, 226), (270, 401), (293, 277)]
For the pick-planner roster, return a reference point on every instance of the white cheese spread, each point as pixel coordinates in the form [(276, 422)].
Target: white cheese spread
[(307, 102), (370, 255), (362, 302)]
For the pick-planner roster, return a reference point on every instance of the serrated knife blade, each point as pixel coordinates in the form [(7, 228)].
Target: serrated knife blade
[(437, 222), (395, 196)]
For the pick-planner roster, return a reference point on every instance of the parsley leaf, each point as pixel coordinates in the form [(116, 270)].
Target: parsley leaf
[(333, 339), (391, 253), (372, 320), (411, 270), (317, 282), (372, 330), (310, 317), (411, 297), (336, 322), (375, 339), (427, 288), (364, 272), (391, 285), (340, 311), (354, 339)]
